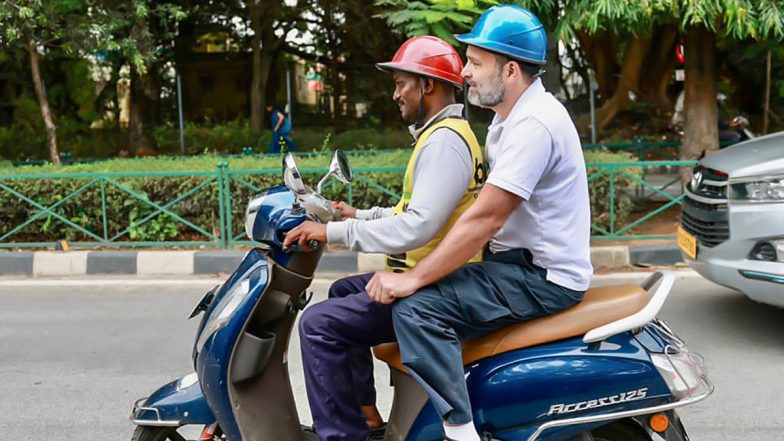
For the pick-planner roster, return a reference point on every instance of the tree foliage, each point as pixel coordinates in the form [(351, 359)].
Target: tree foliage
[(441, 18), (37, 23), (739, 19), (136, 31), (618, 37)]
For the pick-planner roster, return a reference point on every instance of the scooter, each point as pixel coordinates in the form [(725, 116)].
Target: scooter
[(738, 130), (606, 369)]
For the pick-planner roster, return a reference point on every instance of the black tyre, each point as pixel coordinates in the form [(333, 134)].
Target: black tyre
[(147, 433), (624, 430)]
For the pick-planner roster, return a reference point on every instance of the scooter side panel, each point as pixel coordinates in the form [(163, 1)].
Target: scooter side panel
[(186, 406), (518, 391), (212, 362), (252, 259)]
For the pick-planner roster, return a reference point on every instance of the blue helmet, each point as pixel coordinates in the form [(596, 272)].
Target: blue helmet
[(509, 30)]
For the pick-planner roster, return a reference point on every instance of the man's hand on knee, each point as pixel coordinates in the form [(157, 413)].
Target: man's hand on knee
[(386, 287)]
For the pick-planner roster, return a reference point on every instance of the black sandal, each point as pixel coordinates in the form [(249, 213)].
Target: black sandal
[(378, 432)]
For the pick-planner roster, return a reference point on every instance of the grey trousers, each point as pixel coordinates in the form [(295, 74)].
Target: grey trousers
[(478, 298)]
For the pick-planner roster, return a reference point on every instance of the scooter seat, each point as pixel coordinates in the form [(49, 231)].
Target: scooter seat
[(600, 306)]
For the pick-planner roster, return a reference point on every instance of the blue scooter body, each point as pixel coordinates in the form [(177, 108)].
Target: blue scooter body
[(516, 392), (513, 393), (174, 406)]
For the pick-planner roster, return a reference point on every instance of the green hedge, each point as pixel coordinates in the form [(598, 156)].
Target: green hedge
[(210, 163), (21, 143), (202, 208), (600, 188)]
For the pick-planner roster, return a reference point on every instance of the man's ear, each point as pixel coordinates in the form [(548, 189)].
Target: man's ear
[(428, 86), (513, 70)]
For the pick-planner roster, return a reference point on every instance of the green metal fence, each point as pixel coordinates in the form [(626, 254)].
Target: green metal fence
[(615, 187), (639, 187), (97, 230)]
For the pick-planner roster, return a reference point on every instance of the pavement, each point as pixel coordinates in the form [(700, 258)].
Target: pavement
[(190, 262), (76, 352)]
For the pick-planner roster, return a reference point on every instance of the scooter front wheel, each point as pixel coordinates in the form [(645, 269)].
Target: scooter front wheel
[(147, 433)]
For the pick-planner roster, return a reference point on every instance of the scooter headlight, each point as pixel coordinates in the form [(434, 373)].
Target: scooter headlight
[(223, 311), (683, 371)]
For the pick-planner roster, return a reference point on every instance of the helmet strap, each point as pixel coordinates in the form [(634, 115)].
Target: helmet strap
[(420, 121)]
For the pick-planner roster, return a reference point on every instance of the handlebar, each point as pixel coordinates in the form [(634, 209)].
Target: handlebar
[(312, 244)]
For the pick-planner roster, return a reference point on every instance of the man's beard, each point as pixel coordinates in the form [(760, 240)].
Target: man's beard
[(489, 94)]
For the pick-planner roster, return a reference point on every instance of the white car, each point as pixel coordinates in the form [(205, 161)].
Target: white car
[(732, 219)]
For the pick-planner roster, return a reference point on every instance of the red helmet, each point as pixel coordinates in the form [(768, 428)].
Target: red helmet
[(428, 56)]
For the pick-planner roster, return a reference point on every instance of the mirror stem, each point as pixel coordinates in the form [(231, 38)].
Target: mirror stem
[(322, 181)]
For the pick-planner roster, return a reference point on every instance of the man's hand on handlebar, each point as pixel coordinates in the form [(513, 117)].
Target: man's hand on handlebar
[(305, 234), (346, 210)]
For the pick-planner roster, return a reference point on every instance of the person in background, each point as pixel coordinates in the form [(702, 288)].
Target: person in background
[(281, 129)]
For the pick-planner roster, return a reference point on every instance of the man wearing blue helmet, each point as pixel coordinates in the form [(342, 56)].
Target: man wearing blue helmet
[(533, 214)]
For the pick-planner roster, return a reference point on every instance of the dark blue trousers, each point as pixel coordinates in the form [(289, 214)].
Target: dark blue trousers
[(274, 145), (476, 299), (335, 339)]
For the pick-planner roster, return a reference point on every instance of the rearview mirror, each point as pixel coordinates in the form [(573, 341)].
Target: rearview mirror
[(291, 176), (340, 168)]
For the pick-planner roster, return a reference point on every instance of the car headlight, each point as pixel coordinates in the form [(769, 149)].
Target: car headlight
[(250, 214), (763, 189), (223, 311)]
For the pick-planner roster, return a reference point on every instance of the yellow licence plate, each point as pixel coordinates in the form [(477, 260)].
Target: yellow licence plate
[(687, 243)]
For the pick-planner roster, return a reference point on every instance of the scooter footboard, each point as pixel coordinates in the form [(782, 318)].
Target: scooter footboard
[(178, 403)]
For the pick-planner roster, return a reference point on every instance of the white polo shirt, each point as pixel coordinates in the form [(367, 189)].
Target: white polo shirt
[(535, 153)]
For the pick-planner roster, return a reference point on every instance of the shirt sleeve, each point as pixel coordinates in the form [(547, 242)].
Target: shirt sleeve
[(442, 174), (375, 213), (522, 158)]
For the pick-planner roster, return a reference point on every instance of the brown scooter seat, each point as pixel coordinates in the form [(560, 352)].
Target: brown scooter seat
[(600, 306)]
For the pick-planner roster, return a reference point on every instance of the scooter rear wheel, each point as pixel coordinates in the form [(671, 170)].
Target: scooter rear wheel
[(147, 433), (620, 431)]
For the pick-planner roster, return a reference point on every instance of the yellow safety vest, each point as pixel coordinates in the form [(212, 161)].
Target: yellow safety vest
[(403, 262)]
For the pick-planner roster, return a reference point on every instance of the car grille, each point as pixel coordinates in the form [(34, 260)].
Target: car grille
[(704, 211), (707, 233)]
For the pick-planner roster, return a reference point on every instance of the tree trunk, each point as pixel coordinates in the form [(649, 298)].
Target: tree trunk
[(701, 132), (600, 50), (266, 47), (552, 74), (656, 79), (145, 95), (631, 70), (43, 103), (145, 98), (257, 89), (767, 96)]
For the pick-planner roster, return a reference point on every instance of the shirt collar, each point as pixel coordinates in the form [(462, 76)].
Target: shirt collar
[(452, 110), (532, 92)]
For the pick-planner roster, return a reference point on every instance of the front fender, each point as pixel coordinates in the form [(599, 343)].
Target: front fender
[(175, 404)]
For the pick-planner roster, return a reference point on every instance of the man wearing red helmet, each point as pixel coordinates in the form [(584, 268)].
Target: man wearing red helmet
[(443, 177), (533, 215)]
